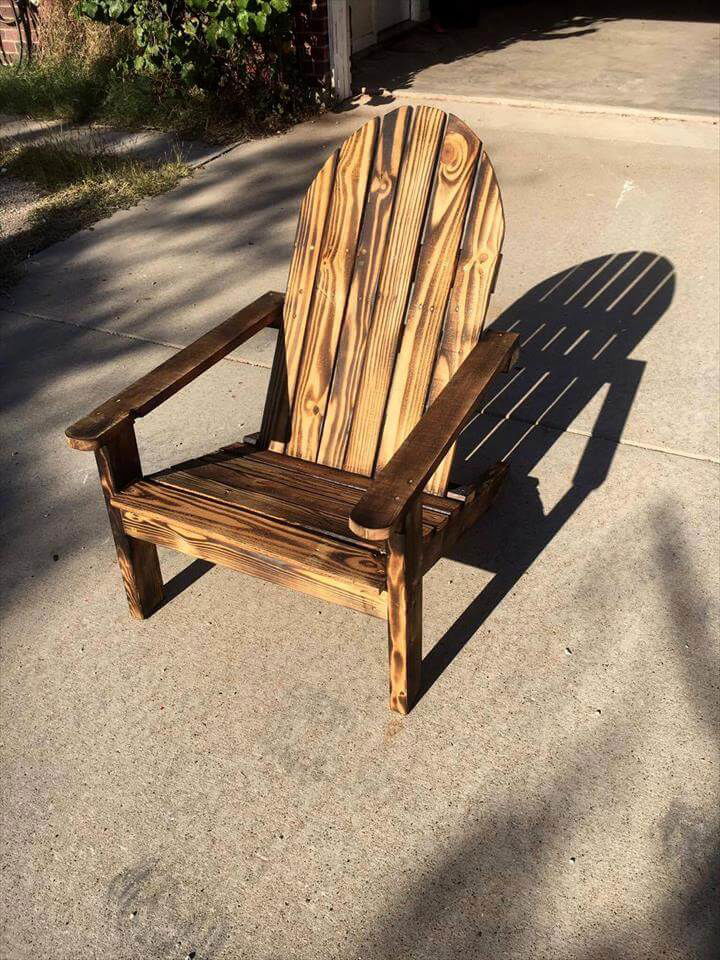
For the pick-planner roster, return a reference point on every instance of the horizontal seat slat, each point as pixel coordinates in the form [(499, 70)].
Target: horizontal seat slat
[(280, 487), (219, 483), (266, 535), (293, 468), (340, 575)]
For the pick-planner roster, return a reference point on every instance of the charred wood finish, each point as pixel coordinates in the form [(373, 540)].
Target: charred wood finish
[(380, 363), (404, 585), (408, 471), (118, 465)]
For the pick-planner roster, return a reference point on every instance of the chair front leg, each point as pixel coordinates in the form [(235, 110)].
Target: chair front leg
[(118, 463), (404, 597)]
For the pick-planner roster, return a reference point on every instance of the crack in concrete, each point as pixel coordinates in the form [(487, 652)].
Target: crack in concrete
[(122, 336)]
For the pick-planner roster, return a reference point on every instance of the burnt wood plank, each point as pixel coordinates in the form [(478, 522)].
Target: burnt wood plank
[(287, 503), (298, 298), (213, 546), (366, 274), (434, 276), (220, 484), (295, 498), (404, 604), (332, 284), (118, 465), (469, 297), (275, 426), (289, 467), (411, 202), (410, 468), (265, 535), (165, 380)]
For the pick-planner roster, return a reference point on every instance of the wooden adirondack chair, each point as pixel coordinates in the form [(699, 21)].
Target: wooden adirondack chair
[(379, 365)]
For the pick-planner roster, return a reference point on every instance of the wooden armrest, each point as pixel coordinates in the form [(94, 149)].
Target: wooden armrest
[(155, 387), (414, 462)]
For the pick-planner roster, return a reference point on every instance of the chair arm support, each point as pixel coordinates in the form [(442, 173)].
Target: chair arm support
[(402, 479), (161, 383)]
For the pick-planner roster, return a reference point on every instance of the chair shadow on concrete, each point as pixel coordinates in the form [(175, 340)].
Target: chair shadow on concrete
[(578, 331)]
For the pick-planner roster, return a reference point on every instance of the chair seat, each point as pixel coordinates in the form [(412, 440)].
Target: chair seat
[(260, 511)]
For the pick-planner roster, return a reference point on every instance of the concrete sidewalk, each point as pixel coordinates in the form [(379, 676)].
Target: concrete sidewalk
[(224, 780)]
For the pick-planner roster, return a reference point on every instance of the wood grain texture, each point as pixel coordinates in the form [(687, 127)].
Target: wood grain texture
[(151, 390), (312, 506), (282, 488), (298, 299), (384, 334), (385, 501), (291, 468), (433, 279), (404, 605), (266, 535), (379, 366), (350, 357), (251, 543), (275, 426), (474, 281), (330, 296), (284, 469), (394, 287), (212, 545), (118, 465)]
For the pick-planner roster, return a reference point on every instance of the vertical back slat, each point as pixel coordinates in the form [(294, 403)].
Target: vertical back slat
[(332, 284), (433, 281), (371, 247), (389, 309), (301, 282), (470, 294), (395, 256)]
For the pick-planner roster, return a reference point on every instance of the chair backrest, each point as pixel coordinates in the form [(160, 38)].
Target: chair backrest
[(395, 256)]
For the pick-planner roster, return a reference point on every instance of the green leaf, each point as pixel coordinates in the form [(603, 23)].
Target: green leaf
[(88, 8)]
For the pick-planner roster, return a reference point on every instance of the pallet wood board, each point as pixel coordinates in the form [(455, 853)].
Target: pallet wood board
[(381, 362), (269, 485), (330, 293), (397, 250)]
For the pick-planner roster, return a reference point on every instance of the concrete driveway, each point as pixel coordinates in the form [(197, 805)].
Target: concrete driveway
[(618, 54), (225, 780)]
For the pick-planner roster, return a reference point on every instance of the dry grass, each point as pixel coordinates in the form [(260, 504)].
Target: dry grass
[(81, 187), (61, 36)]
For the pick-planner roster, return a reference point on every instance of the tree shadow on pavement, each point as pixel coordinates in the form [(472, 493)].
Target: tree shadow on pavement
[(691, 840)]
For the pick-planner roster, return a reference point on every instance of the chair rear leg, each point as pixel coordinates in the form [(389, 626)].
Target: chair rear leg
[(118, 465), (404, 591)]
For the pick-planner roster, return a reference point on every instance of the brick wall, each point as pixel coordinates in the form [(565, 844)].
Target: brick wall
[(312, 40), (13, 38)]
